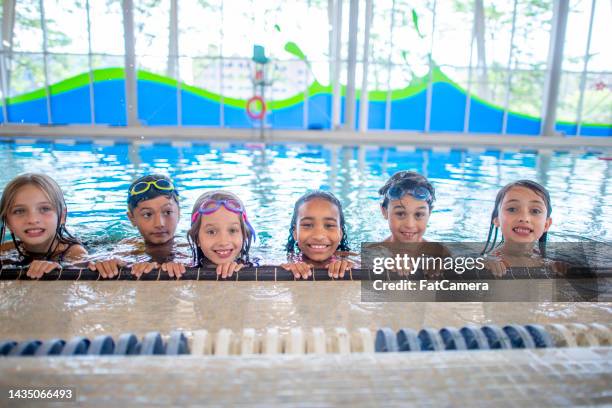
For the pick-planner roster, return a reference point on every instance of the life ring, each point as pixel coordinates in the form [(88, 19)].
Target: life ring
[(256, 115)]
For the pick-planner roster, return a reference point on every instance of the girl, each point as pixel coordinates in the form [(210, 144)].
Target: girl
[(33, 209), (220, 232), (318, 231), (522, 213), (407, 201)]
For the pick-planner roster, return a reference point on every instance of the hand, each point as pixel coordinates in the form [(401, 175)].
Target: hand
[(143, 267), (176, 269), (558, 268), (38, 268), (299, 269), (107, 269), (227, 270), (497, 267), (336, 269)]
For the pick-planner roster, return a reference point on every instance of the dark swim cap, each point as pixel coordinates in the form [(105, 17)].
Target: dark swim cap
[(149, 187)]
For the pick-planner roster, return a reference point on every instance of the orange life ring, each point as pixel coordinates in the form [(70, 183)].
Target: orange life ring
[(256, 115)]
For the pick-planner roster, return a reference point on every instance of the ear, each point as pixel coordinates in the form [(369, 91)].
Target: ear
[(496, 222), (547, 224), (131, 218), (385, 212)]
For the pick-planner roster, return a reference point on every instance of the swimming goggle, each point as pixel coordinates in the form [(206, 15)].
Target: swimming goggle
[(397, 191), (210, 206), (144, 186)]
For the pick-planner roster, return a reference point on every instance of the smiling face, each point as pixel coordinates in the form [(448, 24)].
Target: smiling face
[(156, 219), (522, 216), (407, 218), (33, 218), (220, 236), (318, 231)]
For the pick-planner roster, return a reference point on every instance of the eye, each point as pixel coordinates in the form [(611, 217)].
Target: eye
[(536, 211), (306, 225), (168, 212), (210, 232), (331, 226), (234, 230), (511, 209), (18, 211), (419, 215), (146, 214), (400, 214), (45, 209)]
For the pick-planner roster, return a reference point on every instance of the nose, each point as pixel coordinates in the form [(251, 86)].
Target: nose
[(409, 222), (158, 220), (524, 215), (318, 232), (32, 217)]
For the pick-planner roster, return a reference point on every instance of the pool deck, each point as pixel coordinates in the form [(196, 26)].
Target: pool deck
[(340, 137), (508, 378)]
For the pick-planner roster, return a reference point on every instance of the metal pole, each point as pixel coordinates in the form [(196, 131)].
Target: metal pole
[(509, 72), (92, 103), (430, 83), (337, 64), (306, 96), (468, 96), (131, 89), (43, 25), (363, 101), (481, 64), (555, 61), (173, 57), (349, 101), (8, 24), (221, 84), (389, 68), (584, 71)]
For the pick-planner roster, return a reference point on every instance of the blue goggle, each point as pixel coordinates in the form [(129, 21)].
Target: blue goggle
[(418, 192)]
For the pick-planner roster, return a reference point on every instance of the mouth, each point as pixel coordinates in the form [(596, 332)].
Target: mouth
[(409, 235), (159, 233), (522, 231), (34, 232), (318, 247), (223, 253)]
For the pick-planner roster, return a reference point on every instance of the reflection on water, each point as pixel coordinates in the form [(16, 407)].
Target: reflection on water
[(64, 309), (270, 178)]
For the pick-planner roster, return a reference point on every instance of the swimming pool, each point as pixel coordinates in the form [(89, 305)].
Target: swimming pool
[(269, 178)]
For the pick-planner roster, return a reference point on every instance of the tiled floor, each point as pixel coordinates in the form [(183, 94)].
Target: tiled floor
[(544, 377)]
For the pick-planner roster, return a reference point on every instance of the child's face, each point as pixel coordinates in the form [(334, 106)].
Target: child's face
[(522, 216), (407, 218), (156, 219), (33, 218), (220, 236), (318, 231)]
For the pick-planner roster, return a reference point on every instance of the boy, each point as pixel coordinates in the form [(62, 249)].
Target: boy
[(153, 209)]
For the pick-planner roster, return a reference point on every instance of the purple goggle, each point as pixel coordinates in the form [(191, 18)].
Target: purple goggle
[(210, 206)]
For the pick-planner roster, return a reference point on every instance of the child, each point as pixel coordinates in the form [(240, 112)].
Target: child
[(220, 232), (522, 213), (34, 210), (407, 201), (318, 230), (153, 209)]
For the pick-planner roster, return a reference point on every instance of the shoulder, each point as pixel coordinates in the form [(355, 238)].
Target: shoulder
[(5, 246), (75, 252)]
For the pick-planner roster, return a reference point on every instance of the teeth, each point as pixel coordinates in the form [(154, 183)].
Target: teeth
[(318, 246)]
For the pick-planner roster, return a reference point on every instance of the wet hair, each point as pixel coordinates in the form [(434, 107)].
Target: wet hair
[(407, 180), (493, 230), (151, 193), (193, 234), (54, 194), (292, 246)]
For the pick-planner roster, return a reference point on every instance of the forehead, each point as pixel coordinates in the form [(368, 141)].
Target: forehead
[(318, 207), (408, 202), (522, 194), (30, 194), (157, 202)]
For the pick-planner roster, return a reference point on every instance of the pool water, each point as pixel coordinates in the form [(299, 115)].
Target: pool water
[(270, 178)]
